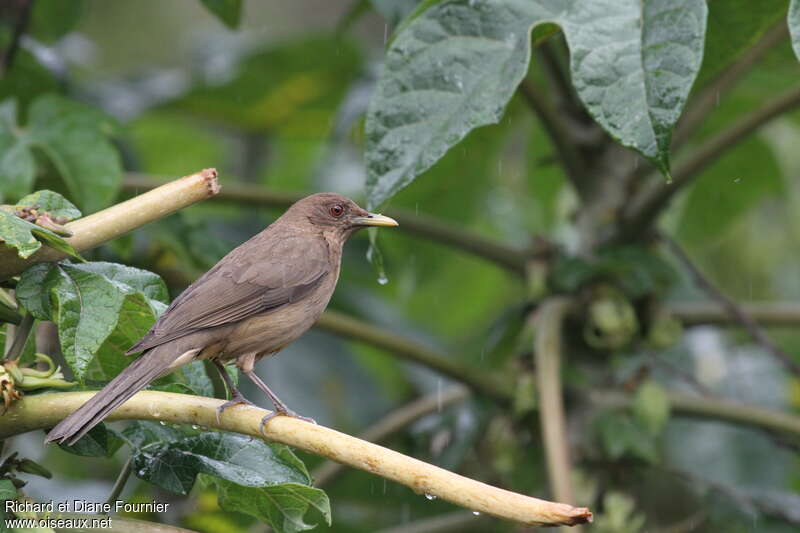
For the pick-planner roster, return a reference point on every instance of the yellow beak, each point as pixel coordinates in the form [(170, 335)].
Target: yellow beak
[(374, 219)]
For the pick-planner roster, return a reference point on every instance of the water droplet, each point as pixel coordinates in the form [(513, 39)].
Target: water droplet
[(737, 180), (382, 278), (195, 426), (476, 513), (162, 423), (430, 496), (141, 472)]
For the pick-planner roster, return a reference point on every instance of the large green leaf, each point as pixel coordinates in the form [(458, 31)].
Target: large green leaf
[(265, 480), (228, 11), (101, 309), (794, 25), (454, 66)]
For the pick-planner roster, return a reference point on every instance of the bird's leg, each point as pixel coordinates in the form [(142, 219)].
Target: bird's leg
[(236, 395), (280, 407)]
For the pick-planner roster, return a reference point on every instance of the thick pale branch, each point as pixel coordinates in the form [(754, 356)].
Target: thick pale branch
[(97, 228), (419, 224), (548, 321), (45, 410), (646, 206), (394, 422), (770, 314)]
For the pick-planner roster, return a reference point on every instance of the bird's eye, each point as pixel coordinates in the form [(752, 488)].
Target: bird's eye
[(337, 211)]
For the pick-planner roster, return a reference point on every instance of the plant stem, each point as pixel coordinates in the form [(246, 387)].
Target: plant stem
[(653, 200), (479, 380), (21, 335), (548, 321), (393, 423), (97, 228), (426, 226), (773, 314), (736, 312), (45, 410), (119, 484)]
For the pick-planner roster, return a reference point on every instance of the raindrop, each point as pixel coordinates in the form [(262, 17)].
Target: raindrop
[(195, 426), (162, 423), (476, 513), (141, 472), (382, 278), (737, 180), (430, 496)]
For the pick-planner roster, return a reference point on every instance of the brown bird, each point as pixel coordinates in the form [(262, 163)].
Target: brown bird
[(260, 297)]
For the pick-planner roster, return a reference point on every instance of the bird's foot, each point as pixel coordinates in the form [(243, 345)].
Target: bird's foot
[(282, 412), (236, 400)]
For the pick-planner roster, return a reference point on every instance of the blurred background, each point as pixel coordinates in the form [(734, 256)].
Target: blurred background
[(278, 104)]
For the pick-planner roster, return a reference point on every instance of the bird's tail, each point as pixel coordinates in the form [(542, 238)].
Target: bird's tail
[(134, 378)]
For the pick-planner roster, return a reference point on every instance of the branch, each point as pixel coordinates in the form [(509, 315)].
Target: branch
[(95, 229), (653, 199), (423, 225), (45, 410), (393, 423), (479, 380), (571, 158), (708, 99), (548, 321), (736, 312), (706, 407), (771, 314)]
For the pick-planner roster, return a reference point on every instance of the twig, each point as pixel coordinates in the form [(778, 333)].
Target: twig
[(707, 99), (45, 410), (755, 331), (122, 479), (707, 407), (97, 228), (571, 158), (21, 334), (451, 522), (772, 314), (548, 321), (481, 381), (19, 29), (652, 200), (393, 423), (426, 226)]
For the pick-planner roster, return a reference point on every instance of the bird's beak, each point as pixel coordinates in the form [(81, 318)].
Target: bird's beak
[(374, 219)]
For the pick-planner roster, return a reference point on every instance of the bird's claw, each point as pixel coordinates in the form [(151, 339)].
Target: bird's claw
[(281, 412), (236, 400)]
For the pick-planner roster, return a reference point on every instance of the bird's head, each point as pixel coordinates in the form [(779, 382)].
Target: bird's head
[(334, 213)]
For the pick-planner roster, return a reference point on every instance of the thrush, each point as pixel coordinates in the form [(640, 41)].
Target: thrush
[(259, 298)]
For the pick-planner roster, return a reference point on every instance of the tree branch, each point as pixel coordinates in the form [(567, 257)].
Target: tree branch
[(45, 410), (425, 226), (548, 321), (95, 229), (772, 314), (479, 380), (653, 199), (736, 312), (392, 423)]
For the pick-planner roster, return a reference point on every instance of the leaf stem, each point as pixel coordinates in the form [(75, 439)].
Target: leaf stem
[(122, 479), (21, 334), (45, 410)]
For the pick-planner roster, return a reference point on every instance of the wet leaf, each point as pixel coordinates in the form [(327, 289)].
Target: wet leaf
[(455, 65), (228, 11), (101, 309), (141, 433)]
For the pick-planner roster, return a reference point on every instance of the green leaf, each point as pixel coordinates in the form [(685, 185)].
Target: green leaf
[(100, 441), (281, 506), (455, 65), (101, 309), (651, 407), (141, 433), (17, 167), (794, 25), (228, 11), (243, 460), (393, 11), (7, 490), (52, 202), (622, 435), (27, 238), (75, 138)]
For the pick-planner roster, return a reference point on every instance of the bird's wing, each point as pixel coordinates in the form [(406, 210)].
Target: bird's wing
[(260, 275)]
